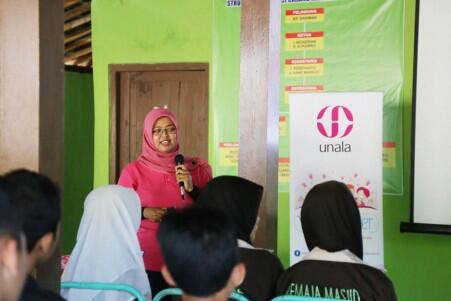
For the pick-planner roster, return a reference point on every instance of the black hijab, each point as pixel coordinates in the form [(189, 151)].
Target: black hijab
[(238, 198), (330, 219)]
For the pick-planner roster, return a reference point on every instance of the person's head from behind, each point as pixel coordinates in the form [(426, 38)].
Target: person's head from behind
[(107, 247), (13, 260), (238, 198), (199, 247), (38, 204), (330, 219)]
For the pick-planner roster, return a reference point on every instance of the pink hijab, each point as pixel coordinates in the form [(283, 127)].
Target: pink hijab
[(151, 156)]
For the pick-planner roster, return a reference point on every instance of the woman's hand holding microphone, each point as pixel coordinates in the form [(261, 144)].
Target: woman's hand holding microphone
[(155, 214), (183, 175)]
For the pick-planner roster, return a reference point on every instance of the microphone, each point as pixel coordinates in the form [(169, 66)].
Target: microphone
[(179, 160)]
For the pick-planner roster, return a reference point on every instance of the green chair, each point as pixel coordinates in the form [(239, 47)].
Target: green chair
[(178, 292), (102, 286), (300, 298)]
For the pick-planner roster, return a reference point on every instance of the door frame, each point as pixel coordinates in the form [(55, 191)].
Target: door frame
[(113, 72)]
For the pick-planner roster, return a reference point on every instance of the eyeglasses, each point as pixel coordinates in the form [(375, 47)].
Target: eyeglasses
[(160, 131)]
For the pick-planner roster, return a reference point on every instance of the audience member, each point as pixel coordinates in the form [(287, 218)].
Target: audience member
[(107, 248), (13, 259), (200, 252), (334, 268), (37, 200), (240, 200)]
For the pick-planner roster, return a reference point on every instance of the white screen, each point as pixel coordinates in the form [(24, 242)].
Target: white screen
[(432, 182)]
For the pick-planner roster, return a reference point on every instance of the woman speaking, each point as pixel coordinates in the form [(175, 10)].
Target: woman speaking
[(156, 177)]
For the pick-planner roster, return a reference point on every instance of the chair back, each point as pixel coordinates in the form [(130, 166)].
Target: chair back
[(178, 292), (167, 292), (102, 286)]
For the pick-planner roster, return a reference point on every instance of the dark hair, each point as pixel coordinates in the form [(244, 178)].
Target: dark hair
[(238, 198), (330, 219), (9, 221), (38, 204), (199, 246)]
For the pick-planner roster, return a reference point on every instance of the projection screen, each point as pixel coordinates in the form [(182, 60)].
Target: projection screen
[(431, 120)]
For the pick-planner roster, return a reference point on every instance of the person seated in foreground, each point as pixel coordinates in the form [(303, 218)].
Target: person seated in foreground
[(334, 268), (38, 204), (107, 248), (13, 258), (240, 199), (200, 252)]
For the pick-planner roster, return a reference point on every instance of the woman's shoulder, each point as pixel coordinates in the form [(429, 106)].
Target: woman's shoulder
[(134, 169), (131, 167), (260, 255), (199, 165), (379, 279), (196, 162), (376, 273), (138, 166)]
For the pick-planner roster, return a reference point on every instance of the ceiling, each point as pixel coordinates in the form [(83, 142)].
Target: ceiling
[(77, 33)]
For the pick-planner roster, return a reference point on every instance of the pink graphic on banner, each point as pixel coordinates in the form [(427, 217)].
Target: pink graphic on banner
[(360, 189), (337, 124)]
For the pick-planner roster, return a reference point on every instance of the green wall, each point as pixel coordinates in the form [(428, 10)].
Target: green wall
[(78, 152), (136, 31)]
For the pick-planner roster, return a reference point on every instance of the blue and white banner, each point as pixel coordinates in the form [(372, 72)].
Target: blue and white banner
[(338, 136)]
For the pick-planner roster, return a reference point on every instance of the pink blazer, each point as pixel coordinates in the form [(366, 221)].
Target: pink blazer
[(158, 189)]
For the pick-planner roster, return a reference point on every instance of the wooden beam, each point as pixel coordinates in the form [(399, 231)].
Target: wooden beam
[(51, 116), (83, 61), (69, 3), (81, 9), (76, 61), (78, 53), (75, 35), (77, 22), (86, 63), (70, 63), (259, 107), (78, 43), (32, 55)]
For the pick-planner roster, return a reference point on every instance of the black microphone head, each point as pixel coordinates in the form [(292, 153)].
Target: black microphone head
[(179, 159)]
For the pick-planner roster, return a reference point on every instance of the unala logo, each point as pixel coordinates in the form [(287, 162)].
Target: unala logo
[(335, 122), (339, 120)]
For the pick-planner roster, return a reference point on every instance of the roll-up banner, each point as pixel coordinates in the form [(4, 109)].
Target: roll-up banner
[(338, 136)]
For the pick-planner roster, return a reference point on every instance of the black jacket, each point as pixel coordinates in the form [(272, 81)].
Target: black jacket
[(32, 292), (339, 280)]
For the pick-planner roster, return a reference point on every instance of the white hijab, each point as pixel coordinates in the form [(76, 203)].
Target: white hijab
[(107, 248)]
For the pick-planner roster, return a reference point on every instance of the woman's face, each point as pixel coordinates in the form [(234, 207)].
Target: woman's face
[(164, 135)]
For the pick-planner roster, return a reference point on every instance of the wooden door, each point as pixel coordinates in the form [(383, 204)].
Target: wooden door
[(138, 89)]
